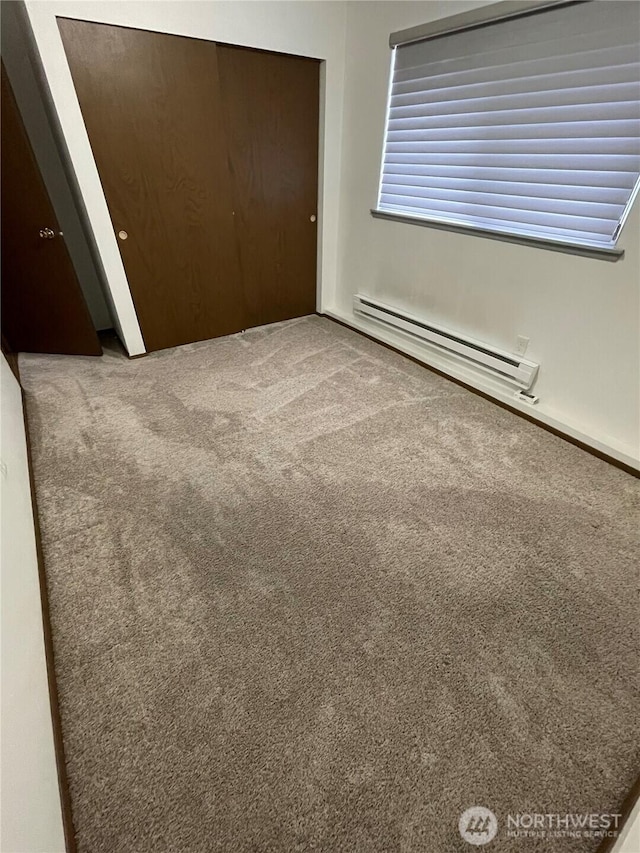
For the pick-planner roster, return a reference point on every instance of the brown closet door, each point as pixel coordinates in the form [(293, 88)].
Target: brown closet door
[(43, 308), (152, 110), (271, 103)]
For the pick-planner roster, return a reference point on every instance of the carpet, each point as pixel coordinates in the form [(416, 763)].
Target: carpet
[(309, 596)]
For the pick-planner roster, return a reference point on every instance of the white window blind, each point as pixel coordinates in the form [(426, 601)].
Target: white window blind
[(528, 126)]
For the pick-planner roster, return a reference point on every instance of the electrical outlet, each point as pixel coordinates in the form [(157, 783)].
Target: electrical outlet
[(521, 345)]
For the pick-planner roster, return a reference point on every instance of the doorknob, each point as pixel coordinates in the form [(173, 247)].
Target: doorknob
[(312, 218)]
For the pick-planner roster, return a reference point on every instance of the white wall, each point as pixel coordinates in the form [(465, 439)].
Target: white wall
[(582, 315), (629, 840), (15, 53), (31, 813), (314, 29)]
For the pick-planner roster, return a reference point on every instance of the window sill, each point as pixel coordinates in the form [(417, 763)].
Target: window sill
[(601, 254)]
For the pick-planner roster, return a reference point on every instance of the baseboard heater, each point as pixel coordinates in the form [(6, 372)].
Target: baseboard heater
[(503, 365)]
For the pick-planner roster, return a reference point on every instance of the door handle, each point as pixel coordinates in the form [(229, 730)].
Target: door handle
[(49, 234)]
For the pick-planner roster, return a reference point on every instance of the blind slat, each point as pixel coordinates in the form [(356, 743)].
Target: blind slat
[(568, 235), (612, 146), (539, 204), (595, 225), (510, 79), (448, 187), (595, 112), (599, 162), (569, 176), (571, 96), (563, 131)]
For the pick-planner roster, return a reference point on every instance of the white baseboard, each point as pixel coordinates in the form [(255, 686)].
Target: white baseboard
[(432, 358)]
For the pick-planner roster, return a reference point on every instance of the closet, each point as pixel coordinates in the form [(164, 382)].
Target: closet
[(208, 157)]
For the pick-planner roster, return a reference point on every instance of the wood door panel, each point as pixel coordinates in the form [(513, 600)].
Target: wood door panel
[(271, 105), (151, 106), (43, 307)]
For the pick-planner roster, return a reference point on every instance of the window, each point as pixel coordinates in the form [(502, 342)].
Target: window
[(528, 126)]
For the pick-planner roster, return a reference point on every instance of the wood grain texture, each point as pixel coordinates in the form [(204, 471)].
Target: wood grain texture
[(151, 106), (43, 308), (271, 105)]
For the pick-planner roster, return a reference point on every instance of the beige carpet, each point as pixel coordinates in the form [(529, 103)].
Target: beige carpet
[(308, 596)]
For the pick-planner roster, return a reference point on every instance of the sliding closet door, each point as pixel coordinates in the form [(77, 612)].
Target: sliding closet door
[(271, 104), (152, 109), (208, 156)]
